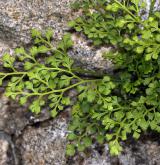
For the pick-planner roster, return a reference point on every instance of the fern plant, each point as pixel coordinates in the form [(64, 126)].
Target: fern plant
[(45, 73), (135, 52), (44, 80), (108, 108)]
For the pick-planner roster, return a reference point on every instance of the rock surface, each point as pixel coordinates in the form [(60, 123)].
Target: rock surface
[(3, 152), (17, 18), (142, 152), (13, 118), (7, 152), (44, 144), (30, 140)]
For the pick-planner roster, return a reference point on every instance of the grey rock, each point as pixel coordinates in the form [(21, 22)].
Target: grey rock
[(92, 157), (44, 144), (3, 152), (142, 152), (18, 17), (89, 57), (7, 150), (14, 118), (4, 47)]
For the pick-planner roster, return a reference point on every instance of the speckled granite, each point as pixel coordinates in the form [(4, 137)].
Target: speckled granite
[(44, 144), (3, 150), (18, 17), (7, 152)]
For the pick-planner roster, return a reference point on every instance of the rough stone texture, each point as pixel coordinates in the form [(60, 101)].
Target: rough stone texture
[(7, 152), (142, 152), (3, 152), (18, 17), (90, 57), (44, 144), (4, 47), (14, 118), (44, 141)]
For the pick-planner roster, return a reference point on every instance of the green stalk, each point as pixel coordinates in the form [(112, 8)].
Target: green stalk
[(56, 90), (152, 7), (126, 9)]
